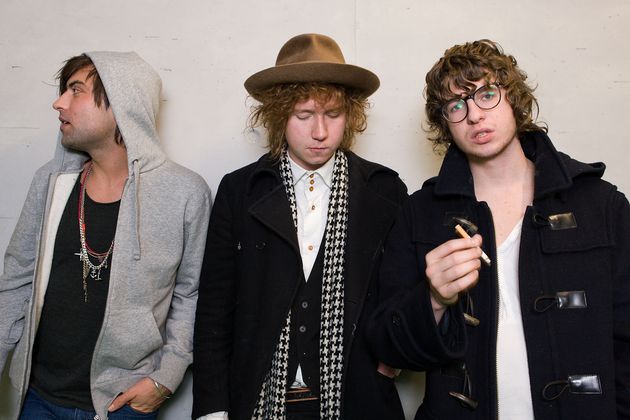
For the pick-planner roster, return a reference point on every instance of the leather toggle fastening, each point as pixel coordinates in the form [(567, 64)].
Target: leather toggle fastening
[(558, 221), (561, 300), (465, 396), (471, 320), (450, 218), (576, 384)]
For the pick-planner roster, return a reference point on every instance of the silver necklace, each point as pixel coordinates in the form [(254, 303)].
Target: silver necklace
[(94, 271)]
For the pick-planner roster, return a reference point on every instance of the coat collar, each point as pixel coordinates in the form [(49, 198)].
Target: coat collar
[(555, 171), (366, 207), (360, 170)]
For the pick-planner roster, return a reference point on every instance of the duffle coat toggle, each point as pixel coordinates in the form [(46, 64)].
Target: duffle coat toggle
[(576, 384)]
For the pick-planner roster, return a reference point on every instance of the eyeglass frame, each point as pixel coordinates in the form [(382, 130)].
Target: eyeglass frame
[(465, 99)]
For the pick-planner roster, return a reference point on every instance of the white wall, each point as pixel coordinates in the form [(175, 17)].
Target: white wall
[(575, 50)]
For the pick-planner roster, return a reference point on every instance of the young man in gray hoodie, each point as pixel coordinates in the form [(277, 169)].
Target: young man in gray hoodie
[(100, 278)]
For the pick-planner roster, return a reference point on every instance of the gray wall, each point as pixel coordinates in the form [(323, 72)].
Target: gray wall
[(575, 50)]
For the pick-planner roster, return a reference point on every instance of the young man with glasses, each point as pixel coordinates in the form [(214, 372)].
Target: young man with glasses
[(542, 330)]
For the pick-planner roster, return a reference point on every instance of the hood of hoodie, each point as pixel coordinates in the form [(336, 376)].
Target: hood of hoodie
[(133, 89)]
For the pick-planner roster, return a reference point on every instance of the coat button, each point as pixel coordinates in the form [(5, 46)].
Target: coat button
[(304, 304), (302, 328)]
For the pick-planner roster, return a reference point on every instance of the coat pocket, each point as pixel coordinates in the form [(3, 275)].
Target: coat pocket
[(14, 333), (576, 239)]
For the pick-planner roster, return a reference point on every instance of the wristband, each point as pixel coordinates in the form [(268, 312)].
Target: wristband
[(159, 389)]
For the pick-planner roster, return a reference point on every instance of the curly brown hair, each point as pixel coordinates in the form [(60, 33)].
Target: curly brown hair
[(462, 66), (277, 104)]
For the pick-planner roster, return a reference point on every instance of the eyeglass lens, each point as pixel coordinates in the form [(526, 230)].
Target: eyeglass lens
[(486, 97)]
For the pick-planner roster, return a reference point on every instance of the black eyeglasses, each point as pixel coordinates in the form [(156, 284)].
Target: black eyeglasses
[(486, 97)]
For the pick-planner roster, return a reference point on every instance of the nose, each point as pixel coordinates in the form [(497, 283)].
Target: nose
[(475, 114), (60, 102), (320, 128)]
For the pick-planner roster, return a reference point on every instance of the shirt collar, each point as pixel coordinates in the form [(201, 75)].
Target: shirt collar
[(325, 171)]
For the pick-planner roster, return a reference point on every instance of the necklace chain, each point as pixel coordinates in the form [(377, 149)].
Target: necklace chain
[(94, 271)]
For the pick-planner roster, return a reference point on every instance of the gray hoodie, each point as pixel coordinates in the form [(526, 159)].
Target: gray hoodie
[(160, 238)]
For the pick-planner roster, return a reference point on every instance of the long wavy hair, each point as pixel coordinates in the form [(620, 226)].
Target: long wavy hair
[(462, 66)]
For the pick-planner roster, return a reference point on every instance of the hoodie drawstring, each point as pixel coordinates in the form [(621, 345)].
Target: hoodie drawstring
[(135, 211)]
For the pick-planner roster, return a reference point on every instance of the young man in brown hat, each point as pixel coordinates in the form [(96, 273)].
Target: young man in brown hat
[(294, 241)]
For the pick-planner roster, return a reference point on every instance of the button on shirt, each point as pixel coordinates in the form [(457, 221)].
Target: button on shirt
[(312, 194)]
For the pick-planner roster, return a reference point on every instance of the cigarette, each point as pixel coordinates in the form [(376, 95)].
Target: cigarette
[(462, 234)]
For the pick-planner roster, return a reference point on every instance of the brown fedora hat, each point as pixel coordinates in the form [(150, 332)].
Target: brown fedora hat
[(312, 58)]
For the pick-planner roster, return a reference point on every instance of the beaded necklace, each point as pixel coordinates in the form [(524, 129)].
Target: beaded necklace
[(86, 252)]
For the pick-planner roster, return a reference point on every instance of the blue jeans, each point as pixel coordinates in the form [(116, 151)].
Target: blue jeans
[(37, 408)]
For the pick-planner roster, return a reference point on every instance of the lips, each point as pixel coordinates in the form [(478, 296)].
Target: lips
[(481, 135), (64, 122)]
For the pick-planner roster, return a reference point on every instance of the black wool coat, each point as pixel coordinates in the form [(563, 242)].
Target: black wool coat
[(566, 336), (251, 273)]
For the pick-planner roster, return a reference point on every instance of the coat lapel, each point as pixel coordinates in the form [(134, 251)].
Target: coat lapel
[(369, 218), (270, 205)]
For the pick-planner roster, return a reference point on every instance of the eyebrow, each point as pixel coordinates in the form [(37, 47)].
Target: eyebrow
[(74, 83), (313, 111)]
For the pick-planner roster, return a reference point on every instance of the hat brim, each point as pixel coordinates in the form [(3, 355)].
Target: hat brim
[(343, 74)]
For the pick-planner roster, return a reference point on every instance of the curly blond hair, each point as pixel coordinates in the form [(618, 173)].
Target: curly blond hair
[(277, 103)]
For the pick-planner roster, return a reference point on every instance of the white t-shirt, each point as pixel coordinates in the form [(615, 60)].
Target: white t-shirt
[(514, 393)]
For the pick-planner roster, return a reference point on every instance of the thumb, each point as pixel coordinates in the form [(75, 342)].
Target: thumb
[(122, 399)]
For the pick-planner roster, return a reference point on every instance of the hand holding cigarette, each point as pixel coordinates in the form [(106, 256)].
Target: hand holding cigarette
[(463, 234)]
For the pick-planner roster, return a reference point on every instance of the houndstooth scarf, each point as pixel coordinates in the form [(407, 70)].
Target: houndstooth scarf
[(271, 401)]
